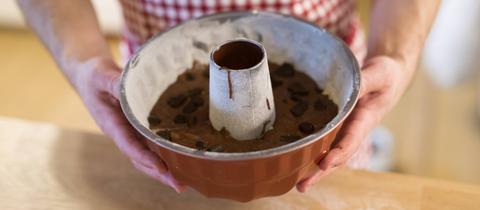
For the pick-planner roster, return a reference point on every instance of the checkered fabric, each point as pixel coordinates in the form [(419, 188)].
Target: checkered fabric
[(144, 18)]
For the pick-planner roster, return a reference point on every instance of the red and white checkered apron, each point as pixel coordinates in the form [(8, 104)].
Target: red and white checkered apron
[(144, 18)]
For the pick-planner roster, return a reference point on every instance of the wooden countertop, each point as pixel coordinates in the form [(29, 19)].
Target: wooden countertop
[(43, 166)]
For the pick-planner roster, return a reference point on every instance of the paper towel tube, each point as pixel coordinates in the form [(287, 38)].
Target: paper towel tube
[(241, 97)]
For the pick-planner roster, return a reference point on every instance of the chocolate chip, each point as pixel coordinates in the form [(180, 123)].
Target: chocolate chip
[(218, 148), (272, 66), (276, 83), (206, 74), (200, 45), (319, 105), (318, 90), (297, 89), (154, 120), (176, 101), (306, 127), (189, 76), (299, 108), (194, 92), (285, 70), (200, 145), (197, 101), (166, 134), (289, 138), (180, 119), (190, 108), (295, 97), (191, 121)]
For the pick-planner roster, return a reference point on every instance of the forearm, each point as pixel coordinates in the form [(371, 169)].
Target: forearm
[(399, 28), (69, 30)]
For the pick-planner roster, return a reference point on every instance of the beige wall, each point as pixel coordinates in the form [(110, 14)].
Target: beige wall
[(108, 12)]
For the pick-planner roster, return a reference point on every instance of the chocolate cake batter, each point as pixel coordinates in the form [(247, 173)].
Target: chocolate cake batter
[(181, 113)]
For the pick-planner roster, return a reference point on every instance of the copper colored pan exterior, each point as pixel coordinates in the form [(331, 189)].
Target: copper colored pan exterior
[(245, 180), (243, 176)]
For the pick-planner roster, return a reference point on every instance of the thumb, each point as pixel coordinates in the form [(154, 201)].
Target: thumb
[(108, 78), (114, 86), (373, 77), (114, 78)]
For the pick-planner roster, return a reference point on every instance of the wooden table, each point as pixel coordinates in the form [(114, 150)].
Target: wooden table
[(43, 166)]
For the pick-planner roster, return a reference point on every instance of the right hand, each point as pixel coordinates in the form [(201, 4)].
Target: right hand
[(97, 80)]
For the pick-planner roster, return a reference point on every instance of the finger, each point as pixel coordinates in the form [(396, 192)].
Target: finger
[(165, 178), (109, 81), (107, 76), (114, 86), (354, 132), (349, 140), (374, 77), (130, 145), (124, 136), (303, 185)]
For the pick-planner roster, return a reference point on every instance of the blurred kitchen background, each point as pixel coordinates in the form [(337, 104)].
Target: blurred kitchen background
[(434, 130)]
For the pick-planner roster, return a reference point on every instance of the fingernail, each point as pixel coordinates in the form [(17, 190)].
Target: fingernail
[(160, 165), (300, 188), (302, 185), (179, 188), (322, 166)]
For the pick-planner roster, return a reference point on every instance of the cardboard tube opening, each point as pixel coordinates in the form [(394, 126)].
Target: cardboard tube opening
[(238, 55)]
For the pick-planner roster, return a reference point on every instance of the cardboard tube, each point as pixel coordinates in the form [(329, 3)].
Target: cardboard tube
[(241, 97)]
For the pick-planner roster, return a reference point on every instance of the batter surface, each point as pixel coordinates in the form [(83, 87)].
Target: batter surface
[(181, 113)]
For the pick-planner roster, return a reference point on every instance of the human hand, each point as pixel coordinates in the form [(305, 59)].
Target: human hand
[(383, 82), (97, 81)]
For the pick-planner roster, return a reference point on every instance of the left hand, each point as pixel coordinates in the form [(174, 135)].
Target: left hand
[(97, 81), (383, 82)]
